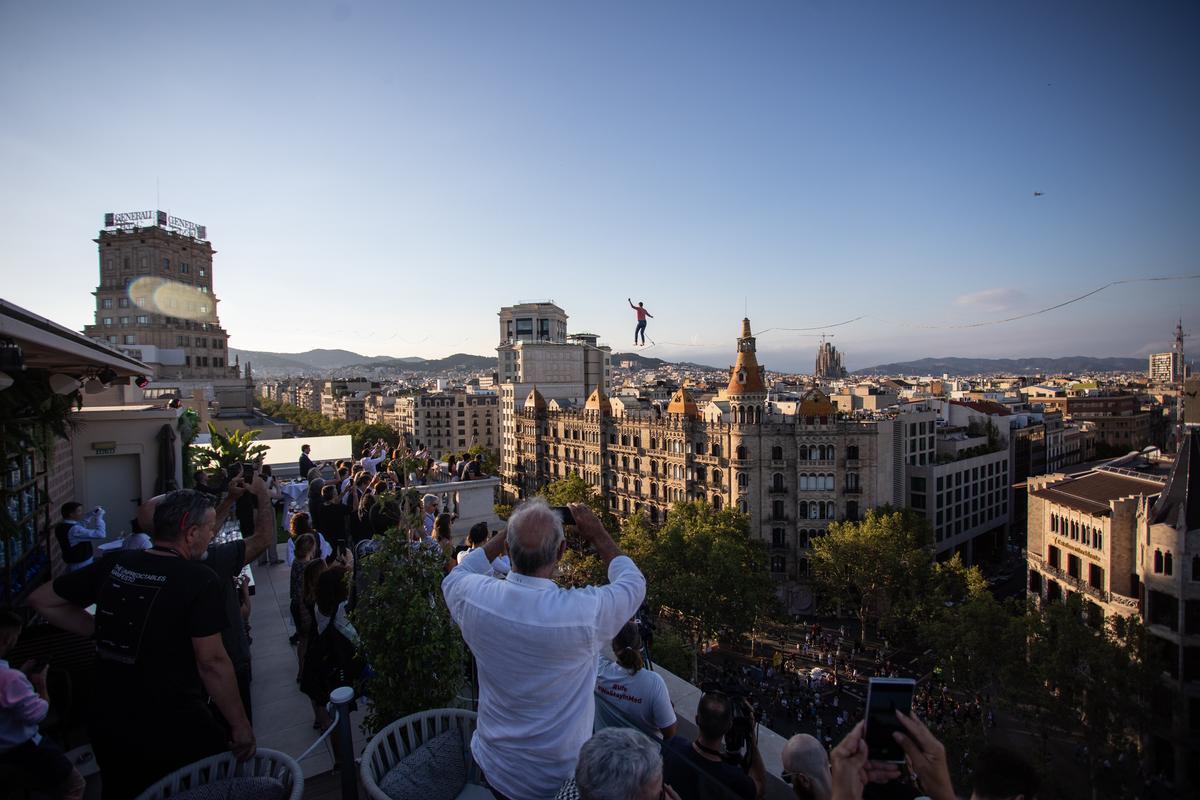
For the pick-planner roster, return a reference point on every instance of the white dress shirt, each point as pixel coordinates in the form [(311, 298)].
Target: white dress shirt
[(371, 465), (91, 527), (537, 647)]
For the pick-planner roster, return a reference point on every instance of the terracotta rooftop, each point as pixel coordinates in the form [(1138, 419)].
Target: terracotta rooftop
[(984, 407), (1091, 493)]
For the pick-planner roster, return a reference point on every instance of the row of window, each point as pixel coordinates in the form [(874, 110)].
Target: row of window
[(1095, 576), (124, 302), (110, 265), (1077, 531)]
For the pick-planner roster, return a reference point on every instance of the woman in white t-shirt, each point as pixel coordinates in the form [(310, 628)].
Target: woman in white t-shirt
[(638, 693)]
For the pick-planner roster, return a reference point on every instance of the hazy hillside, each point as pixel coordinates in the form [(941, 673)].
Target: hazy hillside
[(1016, 366)]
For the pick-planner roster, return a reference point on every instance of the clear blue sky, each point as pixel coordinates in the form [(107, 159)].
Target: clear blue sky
[(384, 176)]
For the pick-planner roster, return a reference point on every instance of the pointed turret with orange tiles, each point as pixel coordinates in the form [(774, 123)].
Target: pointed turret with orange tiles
[(746, 375)]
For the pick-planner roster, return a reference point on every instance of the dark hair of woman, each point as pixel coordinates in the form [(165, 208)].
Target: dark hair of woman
[(627, 647), (332, 589), (306, 543)]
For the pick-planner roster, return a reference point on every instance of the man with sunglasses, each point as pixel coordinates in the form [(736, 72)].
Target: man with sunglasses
[(158, 623)]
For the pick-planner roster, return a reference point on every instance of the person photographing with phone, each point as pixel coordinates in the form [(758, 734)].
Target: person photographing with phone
[(76, 533), (890, 736), (537, 645)]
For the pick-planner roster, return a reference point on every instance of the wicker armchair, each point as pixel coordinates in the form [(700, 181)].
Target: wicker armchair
[(222, 767), (398, 740)]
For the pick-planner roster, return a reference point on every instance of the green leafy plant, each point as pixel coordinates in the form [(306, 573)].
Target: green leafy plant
[(415, 653), (227, 449)]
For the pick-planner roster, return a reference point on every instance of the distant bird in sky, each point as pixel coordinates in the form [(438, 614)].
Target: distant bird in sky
[(1038, 194)]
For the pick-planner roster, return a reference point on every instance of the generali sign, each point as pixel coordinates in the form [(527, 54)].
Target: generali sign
[(133, 219)]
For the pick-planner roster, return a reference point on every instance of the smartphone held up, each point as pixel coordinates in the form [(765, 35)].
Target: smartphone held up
[(886, 696)]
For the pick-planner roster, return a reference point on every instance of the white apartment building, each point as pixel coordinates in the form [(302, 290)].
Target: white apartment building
[(446, 422)]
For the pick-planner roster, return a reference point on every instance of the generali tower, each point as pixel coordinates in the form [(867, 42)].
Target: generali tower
[(155, 298)]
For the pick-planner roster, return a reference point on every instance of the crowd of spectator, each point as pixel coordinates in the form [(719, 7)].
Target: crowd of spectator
[(173, 655)]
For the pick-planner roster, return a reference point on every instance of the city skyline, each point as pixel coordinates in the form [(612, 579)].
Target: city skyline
[(381, 180)]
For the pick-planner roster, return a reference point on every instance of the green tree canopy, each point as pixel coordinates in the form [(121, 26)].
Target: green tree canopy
[(703, 568), (579, 566), (313, 423), (874, 566)]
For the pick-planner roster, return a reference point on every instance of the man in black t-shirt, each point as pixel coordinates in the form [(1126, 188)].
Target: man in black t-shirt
[(158, 623), (700, 768), (227, 561)]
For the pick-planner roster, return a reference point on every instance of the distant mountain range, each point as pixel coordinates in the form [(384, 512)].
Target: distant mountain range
[(342, 360), (331, 360), (1012, 366), (643, 362)]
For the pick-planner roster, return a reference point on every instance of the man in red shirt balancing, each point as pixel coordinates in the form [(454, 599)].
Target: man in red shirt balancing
[(642, 313)]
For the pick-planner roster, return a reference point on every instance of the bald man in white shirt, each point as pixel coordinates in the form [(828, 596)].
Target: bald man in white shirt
[(537, 645)]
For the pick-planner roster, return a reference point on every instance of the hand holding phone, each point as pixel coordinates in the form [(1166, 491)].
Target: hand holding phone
[(886, 696), (564, 514)]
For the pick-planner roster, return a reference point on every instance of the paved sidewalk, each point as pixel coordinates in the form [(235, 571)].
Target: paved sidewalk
[(283, 716)]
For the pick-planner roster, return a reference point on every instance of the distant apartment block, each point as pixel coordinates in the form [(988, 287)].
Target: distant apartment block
[(1165, 367), (449, 422)]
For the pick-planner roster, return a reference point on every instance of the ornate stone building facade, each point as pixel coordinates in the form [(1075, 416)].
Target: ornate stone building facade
[(793, 467), (155, 301)]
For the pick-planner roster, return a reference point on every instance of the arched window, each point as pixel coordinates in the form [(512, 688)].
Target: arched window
[(778, 563), (777, 509), (802, 567), (829, 482), (716, 476), (802, 537), (741, 453), (777, 453), (777, 481), (824, 451), (637, 487), (743, 480), (1168, 564), (702, 474), (653, 515), (830, 510), (852, 451), (820, 509), (716, 502), (852, 510), (653, 467), (852, 481), (1158, 562), (716, 451), (742, 507), (803, 509), (812, 453)]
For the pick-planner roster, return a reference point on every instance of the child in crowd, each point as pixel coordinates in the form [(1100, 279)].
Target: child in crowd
[(24, 703)]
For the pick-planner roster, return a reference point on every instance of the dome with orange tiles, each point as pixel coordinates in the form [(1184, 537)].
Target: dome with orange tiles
[(682, 403)]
